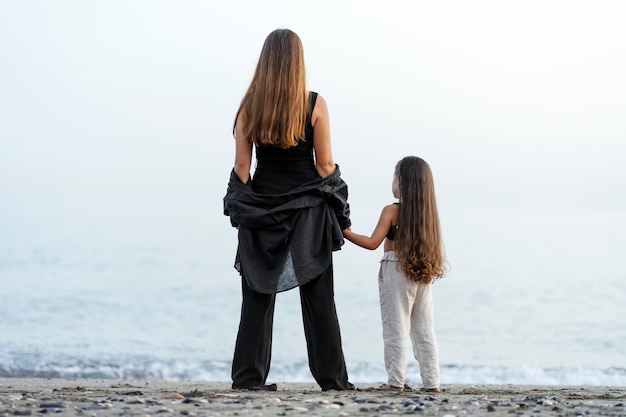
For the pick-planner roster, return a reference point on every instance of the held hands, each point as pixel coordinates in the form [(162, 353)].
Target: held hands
[(347, 233)]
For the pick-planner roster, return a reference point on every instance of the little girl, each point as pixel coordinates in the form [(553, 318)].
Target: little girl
[(413, 259)]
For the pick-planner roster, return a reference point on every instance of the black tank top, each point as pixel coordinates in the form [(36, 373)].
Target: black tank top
[(391, 234), (302, 151), (280, 170)]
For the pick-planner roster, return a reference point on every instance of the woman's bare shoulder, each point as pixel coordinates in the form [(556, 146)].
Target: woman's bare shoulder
[(320, 109)]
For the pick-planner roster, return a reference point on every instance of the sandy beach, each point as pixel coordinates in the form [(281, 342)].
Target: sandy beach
[(101, 397)]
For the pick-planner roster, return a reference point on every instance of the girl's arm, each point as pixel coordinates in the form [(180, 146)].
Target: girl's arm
[(372, 242)]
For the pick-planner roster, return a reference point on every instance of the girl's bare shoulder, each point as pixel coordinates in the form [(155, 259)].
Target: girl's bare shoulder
[(390, 210)]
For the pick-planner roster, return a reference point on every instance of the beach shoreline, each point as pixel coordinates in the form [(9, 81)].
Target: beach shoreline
[(109, 397)]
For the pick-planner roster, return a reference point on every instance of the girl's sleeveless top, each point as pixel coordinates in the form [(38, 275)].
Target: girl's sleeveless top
[(279, 170), (391, 234)]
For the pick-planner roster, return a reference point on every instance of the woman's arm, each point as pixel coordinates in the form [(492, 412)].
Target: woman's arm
[(372, 242), (243, 154), (320, 119)]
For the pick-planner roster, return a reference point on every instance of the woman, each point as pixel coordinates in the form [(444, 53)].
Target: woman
[(290, 216)]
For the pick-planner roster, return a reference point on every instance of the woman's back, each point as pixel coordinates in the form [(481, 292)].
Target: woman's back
[(280, 170)]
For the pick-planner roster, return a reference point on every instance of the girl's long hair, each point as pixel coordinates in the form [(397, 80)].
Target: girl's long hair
[(274, 109), (418, 242)]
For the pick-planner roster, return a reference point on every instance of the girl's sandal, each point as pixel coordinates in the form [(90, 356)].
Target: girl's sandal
[(435, 390), (388, 387)]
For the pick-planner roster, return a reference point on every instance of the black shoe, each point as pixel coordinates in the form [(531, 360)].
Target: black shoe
[(349, 387), (270, 387)]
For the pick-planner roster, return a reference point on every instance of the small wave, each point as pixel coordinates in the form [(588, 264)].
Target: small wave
[(150, 368), (533, 375)]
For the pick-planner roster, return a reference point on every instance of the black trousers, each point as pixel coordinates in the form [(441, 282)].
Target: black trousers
[(253, 349)]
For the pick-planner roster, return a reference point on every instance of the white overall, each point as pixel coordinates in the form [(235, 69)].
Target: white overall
[(407, 310)]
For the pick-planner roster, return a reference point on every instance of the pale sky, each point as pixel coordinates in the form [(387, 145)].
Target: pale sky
[(508, 100)]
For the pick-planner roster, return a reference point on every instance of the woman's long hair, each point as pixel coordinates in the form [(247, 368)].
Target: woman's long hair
[(418, 242), (274, 109)]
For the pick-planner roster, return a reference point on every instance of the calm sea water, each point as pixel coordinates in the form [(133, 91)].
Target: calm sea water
[(143, 287)]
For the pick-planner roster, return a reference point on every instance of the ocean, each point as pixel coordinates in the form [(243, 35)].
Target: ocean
[(142, 287)]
